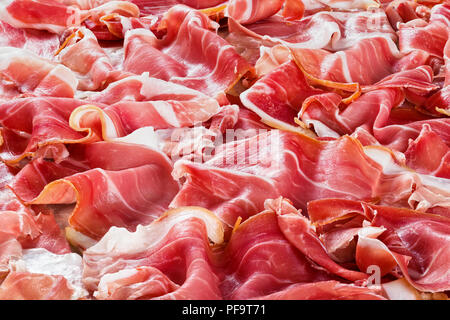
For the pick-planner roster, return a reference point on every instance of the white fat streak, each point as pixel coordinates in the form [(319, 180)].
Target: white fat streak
[(42, 261), (321, 129), (118, 241), (400, 289), (145, 136), (65, 75), (389, 166), (166, 111)]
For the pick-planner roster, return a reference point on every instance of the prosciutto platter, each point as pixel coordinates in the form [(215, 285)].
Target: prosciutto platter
[(211, 149)]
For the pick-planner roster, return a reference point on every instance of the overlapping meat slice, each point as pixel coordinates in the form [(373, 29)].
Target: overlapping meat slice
[(159, 7), (56, 16), (142, 101), (38, 124), (191, 53), (332, 31), (242, 174), (169, 259), (278, 96), (42, 43), (280, 234), (23, 72), (302, 169), (43, 275), (84, 56), (109, 191), (250, 11), (429, 154), (381, 111), (413, 240)]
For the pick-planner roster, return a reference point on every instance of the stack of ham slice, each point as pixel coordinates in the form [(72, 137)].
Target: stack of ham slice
[(241, 149)]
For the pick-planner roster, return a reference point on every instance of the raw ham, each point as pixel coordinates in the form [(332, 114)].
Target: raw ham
[(159, 7), (31, 124), (393, 235), (141, 101), (213, 149), (84, 56), (139, 190), (295, 171), (47, 78), (56, 16), (35, 286), (171, 255), (42, 43), (249, 11), (278, 96), (212, 68), (429, 154), (324, 30), (381, 113)]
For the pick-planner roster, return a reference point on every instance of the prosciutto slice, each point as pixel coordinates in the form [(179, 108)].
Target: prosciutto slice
[(169, 259), (332, 31), (138, 190), (249, 11), (42, 43), (392, 235), (381, 113), (140, 101), (47, 78), (33, 286), (278, 96), (296, 171), (84, 56), (213, 67), (270, 237), (37, 124)]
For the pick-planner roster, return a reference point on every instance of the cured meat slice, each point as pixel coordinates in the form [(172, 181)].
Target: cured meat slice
[(429, 154), (420, 255), (271, 164), (332, 31), (113, 192), (141, 101), (42, 43), (191, 53), (381, 113), (169, 259), (50, 15), (269, 237), (46, 79), (56, 16), (84, 56), (250, 11), (427, 269), (325, 290), (302, 169), (61, 270), (159, 7), (32, 124), (278, 96), (33, 286)]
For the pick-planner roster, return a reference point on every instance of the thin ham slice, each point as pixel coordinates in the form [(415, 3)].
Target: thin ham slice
[(169, 258), (138, 190), (42, 43), (142, 101), (213, 67), (46, 78)]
